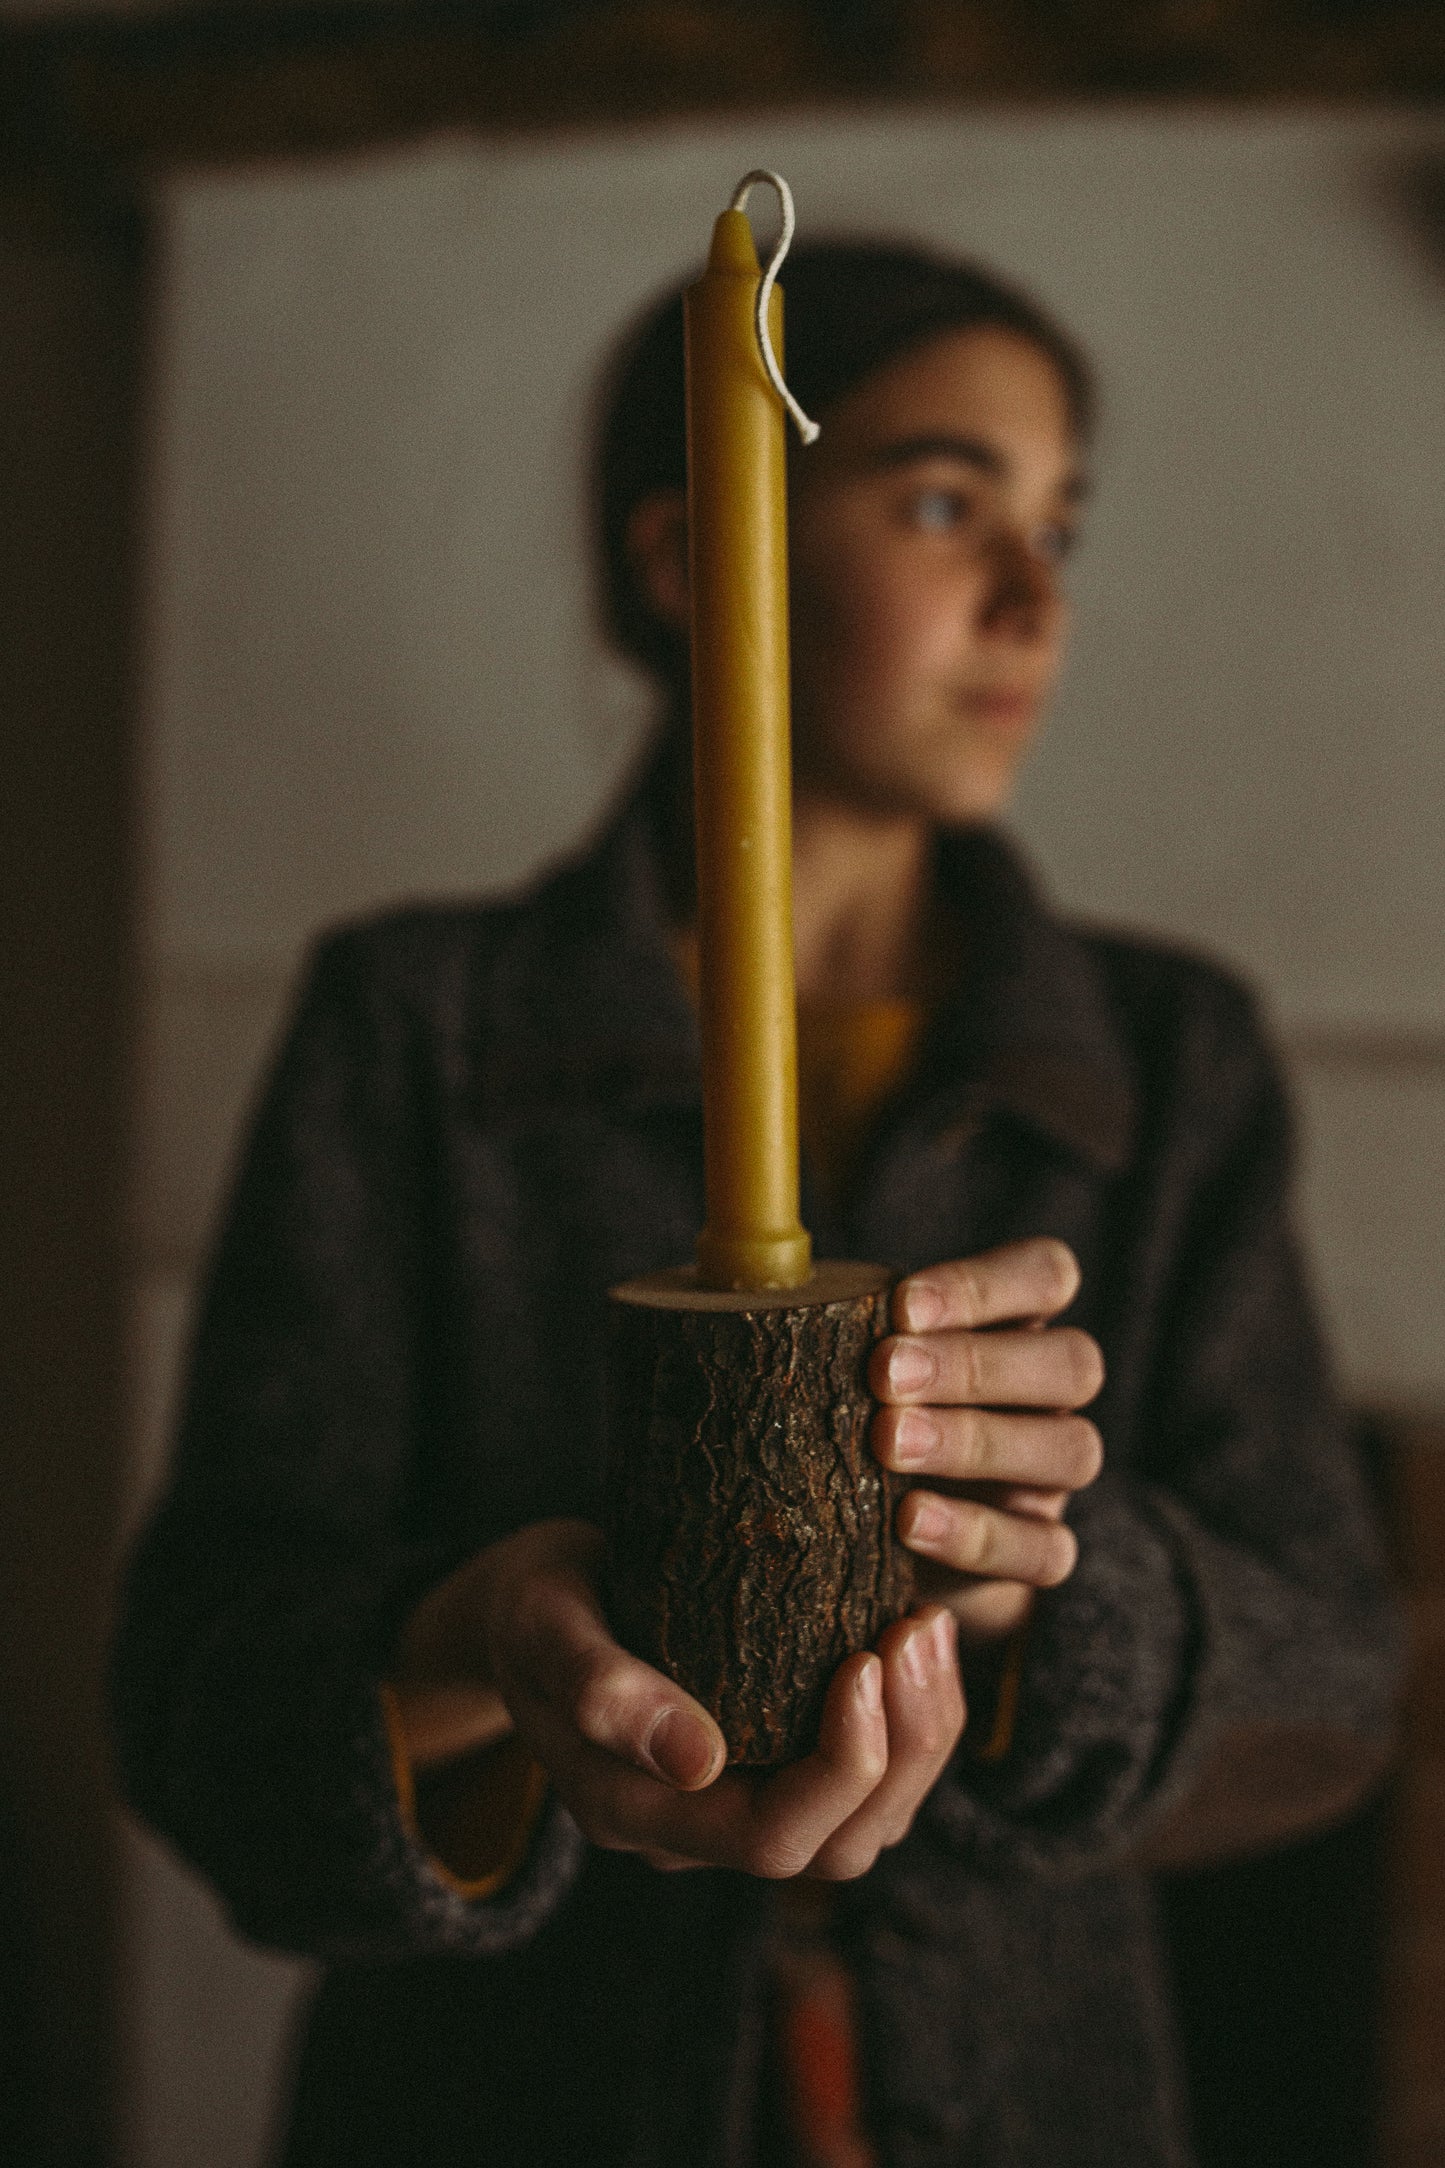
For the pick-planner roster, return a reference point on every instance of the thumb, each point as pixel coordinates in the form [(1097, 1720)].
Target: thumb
[(586, 1682)]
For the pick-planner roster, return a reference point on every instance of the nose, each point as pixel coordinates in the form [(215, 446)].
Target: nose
[(1023, 595)]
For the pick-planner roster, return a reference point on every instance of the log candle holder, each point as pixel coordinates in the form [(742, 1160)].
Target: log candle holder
[(750, 1529)]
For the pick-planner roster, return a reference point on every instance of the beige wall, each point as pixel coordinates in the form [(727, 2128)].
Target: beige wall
[(371, 672)]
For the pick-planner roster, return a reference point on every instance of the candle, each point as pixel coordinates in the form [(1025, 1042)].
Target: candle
[(738, 557)]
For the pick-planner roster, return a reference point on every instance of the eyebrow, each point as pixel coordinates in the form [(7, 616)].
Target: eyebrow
[(964, 451)]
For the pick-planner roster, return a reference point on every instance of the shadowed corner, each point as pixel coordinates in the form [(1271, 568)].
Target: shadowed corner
[(1410, 192), (1305, 1978)]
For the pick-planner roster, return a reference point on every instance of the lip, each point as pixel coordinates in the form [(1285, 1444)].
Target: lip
[(1004, 705)]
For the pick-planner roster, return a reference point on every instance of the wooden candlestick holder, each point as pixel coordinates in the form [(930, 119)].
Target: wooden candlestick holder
[(750, 1529)]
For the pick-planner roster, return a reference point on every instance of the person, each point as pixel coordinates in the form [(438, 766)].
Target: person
[(365, 1679)]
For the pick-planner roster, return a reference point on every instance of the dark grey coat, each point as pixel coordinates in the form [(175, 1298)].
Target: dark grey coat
[(483, 1117)]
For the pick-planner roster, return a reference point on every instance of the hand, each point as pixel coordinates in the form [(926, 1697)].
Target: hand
[(979, 1398), (640, 1764)]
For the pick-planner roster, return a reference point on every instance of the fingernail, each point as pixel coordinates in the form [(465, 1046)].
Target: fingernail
[(682, 1749), (914, 1437), (921, 1304), (918, 1655), (945, 1638), (910, 1368), (870, 1686), (927, 1521)]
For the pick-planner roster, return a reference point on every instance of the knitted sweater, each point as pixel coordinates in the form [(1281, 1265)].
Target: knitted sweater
[(482, 1118)]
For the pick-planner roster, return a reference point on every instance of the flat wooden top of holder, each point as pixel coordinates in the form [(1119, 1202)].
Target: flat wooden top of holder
[(838, 1280)]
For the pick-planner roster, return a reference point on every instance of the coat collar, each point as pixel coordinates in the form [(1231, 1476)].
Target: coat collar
[(597, 1009), (1030, 1031)]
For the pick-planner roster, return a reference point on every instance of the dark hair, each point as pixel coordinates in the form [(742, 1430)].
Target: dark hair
[(852, 308)]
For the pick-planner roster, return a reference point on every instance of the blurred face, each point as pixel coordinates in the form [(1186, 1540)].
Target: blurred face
[(928, 528)]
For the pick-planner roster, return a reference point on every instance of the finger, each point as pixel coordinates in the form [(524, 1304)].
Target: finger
[(989, 1611), (797, 1811), (923, 1701), (1057, 1368), (1038, 1505), (1024, 1280), (578, 1679), (986, 1611), (771, 1828), (979, 1539), (617, 1805), (984, 1445)]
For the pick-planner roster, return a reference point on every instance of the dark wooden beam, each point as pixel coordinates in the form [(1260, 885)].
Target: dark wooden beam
[(113, 97)]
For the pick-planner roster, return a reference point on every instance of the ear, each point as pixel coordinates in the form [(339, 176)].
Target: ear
[(656, 542)]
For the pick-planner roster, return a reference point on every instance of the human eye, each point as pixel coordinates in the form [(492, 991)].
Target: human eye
[(938, 510), (1055, 542)]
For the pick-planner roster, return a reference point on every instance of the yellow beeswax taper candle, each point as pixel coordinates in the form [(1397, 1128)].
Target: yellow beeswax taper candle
[(738, 557)]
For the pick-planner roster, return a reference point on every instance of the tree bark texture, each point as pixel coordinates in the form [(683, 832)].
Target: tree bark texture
[(750, 1529)]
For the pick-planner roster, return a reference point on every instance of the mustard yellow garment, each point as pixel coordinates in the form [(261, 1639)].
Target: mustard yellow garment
[(852, 1057), (473, 1817)]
